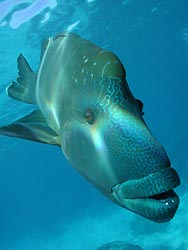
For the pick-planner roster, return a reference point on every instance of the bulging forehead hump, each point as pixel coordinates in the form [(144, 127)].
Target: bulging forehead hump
[(109, 64), (83, 54)]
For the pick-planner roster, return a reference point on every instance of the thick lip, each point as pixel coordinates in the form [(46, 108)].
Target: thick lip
[(160, 208), (153, 184), (152, 196)]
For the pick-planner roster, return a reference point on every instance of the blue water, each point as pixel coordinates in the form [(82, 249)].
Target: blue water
[(44, 203)]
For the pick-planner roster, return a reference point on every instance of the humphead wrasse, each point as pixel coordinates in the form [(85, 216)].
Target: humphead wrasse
[(84, 105)]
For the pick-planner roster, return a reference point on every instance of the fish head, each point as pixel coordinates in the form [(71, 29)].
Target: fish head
[(105, 137)]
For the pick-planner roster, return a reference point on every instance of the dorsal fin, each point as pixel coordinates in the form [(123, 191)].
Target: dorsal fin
[(44, 45)]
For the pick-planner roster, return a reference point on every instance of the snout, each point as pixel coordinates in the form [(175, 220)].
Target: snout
[(152, 196)]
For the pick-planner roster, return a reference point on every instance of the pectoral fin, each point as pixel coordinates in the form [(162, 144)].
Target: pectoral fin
[(32, 127)]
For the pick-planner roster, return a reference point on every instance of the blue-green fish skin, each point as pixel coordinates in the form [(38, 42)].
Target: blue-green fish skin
[(86, 107)]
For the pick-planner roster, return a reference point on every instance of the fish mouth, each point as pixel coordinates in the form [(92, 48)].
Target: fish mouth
[(152, 196)]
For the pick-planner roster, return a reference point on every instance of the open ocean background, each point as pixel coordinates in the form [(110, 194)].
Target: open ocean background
[(44, 203)]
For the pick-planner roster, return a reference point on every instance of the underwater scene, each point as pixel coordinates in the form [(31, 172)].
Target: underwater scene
[(99, 92)]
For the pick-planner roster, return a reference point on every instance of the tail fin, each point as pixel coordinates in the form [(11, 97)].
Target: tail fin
[(23, 89)]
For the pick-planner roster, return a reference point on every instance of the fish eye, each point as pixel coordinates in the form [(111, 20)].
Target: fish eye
[(89, 116)]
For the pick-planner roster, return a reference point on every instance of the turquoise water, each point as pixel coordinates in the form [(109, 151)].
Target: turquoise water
[(44, 203)]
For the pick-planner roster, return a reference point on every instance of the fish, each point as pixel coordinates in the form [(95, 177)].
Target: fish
[(83, 105), (119, 245)]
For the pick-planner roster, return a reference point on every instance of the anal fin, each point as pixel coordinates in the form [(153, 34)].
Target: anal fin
[(32, 127)]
